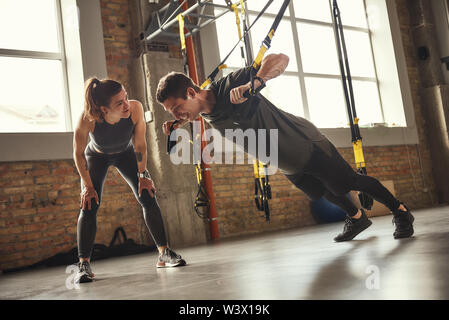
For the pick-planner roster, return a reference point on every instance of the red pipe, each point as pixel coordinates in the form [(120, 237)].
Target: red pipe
[(213, 225)]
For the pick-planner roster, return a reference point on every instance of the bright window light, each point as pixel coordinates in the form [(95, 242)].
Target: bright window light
[(257, 5), (318, 10), (32, 95), (282, 41), (326, 102), (32, 78), (29, 25), (318, 50)]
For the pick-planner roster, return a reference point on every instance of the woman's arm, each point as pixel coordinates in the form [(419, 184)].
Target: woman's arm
[(140, 147), (79, 144), (140, 143)]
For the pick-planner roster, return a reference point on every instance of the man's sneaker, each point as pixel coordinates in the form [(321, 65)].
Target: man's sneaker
[(84, 273), (404, 223), (169, 258), (353, 227)]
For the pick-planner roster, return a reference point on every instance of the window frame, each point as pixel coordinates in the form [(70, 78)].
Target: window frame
[(85, 57)]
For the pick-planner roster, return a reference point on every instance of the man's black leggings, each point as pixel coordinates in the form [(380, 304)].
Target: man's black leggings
[(328, 175), (126, 164)]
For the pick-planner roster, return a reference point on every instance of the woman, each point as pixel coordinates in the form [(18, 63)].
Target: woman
[(116, 128)]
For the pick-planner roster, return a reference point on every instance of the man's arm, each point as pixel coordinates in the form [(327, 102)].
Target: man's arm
[(271, 67)]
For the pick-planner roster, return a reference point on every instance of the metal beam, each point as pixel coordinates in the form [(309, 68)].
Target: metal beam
[(162, 28)]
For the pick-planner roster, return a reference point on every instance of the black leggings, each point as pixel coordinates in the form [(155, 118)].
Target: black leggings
[(126, 164), (328, 175)]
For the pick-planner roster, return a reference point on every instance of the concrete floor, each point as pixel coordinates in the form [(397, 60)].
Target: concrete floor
[(294, 264)]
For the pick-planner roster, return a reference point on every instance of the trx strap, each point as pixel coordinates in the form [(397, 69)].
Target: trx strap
[(222, 65), (182, 38), (365, 200), (266, 44), (262, 188)]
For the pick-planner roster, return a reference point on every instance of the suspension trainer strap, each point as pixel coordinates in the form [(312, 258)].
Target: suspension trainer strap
[(182, 38), (222, 65), (266, 44), (365, 200)]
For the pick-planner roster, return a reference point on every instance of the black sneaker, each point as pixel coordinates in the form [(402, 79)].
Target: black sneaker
[(85, 273), (169, 258), (404, 223), (353, 227)]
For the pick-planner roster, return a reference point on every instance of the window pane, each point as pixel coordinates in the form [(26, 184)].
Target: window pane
[(326, 102), (282, 40), (360, 56), (367, 102), (290, 102), (275, 6), (313, 10), (352, 13), (28, 25), (318, 50), (290, 98), (32, 95), (227, 29)]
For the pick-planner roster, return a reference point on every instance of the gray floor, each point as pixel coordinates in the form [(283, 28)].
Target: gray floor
[(295, 264)]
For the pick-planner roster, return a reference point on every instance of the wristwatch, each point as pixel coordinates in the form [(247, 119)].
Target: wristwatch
[(144, 174)]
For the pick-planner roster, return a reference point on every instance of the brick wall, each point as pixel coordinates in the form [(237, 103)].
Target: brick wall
[(118, 41)]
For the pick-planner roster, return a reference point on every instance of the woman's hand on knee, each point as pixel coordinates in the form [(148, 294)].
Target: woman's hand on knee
[(146, 183), (87, 194)]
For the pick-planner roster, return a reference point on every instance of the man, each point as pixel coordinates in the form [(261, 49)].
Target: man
[(306, 157)]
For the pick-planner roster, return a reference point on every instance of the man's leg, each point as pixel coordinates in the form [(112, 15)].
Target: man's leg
[(315, 189), (337, 175)]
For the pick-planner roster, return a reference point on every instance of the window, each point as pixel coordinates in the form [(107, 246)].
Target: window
[(33, 78), (313, 78)]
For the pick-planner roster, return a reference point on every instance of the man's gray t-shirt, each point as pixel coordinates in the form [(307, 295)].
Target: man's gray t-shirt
[(296, 135)]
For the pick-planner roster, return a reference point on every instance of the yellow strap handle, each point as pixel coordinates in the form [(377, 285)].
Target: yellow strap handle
[(237, 20), (358, 154), (258, 169), (181, 31), (208, 80)]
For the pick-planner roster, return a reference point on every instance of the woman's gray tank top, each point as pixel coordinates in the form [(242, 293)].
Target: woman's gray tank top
[(112, 138)]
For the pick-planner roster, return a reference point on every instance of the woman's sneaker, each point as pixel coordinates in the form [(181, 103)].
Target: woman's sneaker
[(169, 258), (404, 223), (353, 227), (84, 273)]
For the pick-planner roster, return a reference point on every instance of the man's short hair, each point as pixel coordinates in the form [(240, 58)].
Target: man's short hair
[(174, 85)]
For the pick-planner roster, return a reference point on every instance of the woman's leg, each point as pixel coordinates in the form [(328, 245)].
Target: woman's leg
[(126, 164), (87, 219)]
